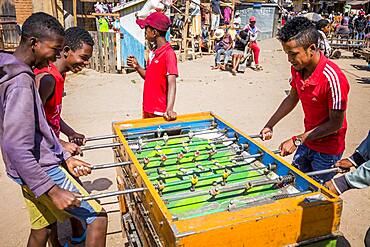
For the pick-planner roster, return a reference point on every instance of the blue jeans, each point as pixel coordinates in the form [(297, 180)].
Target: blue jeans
[(360, 35), (227, 55), (308, 160)]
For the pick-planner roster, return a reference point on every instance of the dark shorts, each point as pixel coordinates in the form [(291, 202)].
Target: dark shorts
[(308, 160)]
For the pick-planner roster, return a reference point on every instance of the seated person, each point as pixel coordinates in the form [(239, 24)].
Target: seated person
[(323, 26), (241, 41), (223, 48)]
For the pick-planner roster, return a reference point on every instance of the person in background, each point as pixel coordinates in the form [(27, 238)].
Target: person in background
[(196, 22), (237, 20), (160, 74), (241, 41), (360, 26), (253, 34), (358, 179), (215, 15), (227, 15), (224, 47), (323, 26)]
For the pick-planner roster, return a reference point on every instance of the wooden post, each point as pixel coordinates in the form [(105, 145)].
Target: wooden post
[(75, 13), (185, 32), (100, 51), (112, 57), (118, 49), (105, 51)]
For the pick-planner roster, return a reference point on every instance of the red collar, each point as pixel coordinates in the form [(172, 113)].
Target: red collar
[(317, 73), (162, 49)]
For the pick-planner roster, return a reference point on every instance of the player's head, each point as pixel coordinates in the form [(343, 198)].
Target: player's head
[(156, 25), (78, 48), (43, 35), (252, 21), (299, 38), (323, 25)]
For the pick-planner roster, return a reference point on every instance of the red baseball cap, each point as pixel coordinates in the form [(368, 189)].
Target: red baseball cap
[(156, 20), (253, 18)]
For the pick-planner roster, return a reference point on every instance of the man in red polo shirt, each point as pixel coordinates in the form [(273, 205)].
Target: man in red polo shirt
[(161, 71), (322, 89)]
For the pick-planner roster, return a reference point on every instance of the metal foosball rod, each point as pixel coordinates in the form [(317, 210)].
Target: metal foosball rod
[(110, 165), (206, 167), (116, 144), (217, 140), (189, 135), (159, 131), (223, 176), (245, 186), (110, 194), (151, 132), (100, 146), (236, 156), (326, 171)]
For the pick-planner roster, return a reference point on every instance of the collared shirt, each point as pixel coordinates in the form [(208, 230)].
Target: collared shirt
[(326, 89), (159, 66)]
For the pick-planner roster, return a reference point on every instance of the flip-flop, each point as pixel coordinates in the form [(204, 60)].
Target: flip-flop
[(81, 239)]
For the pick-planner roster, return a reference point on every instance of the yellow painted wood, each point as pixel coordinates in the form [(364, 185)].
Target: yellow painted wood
[(282, 222)]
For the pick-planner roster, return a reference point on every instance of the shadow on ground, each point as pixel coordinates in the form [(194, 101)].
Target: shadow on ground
[(100, 184)]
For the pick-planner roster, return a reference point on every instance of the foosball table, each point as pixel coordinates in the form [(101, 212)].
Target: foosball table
[(199, 181)]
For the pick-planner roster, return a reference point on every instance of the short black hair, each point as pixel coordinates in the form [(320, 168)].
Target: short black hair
[(41, 25), (300, 29), (321, 24), (76, 37)]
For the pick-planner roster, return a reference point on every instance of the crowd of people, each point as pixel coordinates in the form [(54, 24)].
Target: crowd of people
[(354, 25)]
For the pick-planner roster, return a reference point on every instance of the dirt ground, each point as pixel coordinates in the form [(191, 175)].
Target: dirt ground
[(94, 100)]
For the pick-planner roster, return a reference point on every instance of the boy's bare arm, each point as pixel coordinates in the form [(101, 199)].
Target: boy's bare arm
[(46, 85), (170, 114), (72, 135)]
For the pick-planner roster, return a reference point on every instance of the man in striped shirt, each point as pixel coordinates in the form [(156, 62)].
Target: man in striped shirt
[(323, 90)]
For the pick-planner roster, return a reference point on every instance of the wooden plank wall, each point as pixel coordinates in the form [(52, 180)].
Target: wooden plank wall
[(104, 58), (9, 35)]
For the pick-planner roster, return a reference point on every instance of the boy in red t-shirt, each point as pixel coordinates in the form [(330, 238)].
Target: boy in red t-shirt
[(161, 71), (50, 81)]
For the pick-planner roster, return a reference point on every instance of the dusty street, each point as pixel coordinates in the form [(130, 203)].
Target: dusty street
[(94, 100)]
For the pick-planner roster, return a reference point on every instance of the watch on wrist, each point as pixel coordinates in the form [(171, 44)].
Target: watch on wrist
[(297, 141)]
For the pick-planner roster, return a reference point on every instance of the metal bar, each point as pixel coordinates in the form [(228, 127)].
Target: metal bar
[(181, 182), (255, 136), (180, 136), (162, 130), (103, 137), (193, 143), (192, 153), (110, 165), (110, 194), (99, 146), (326, 171), (244, 185), (197, 160), (208, 169)]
